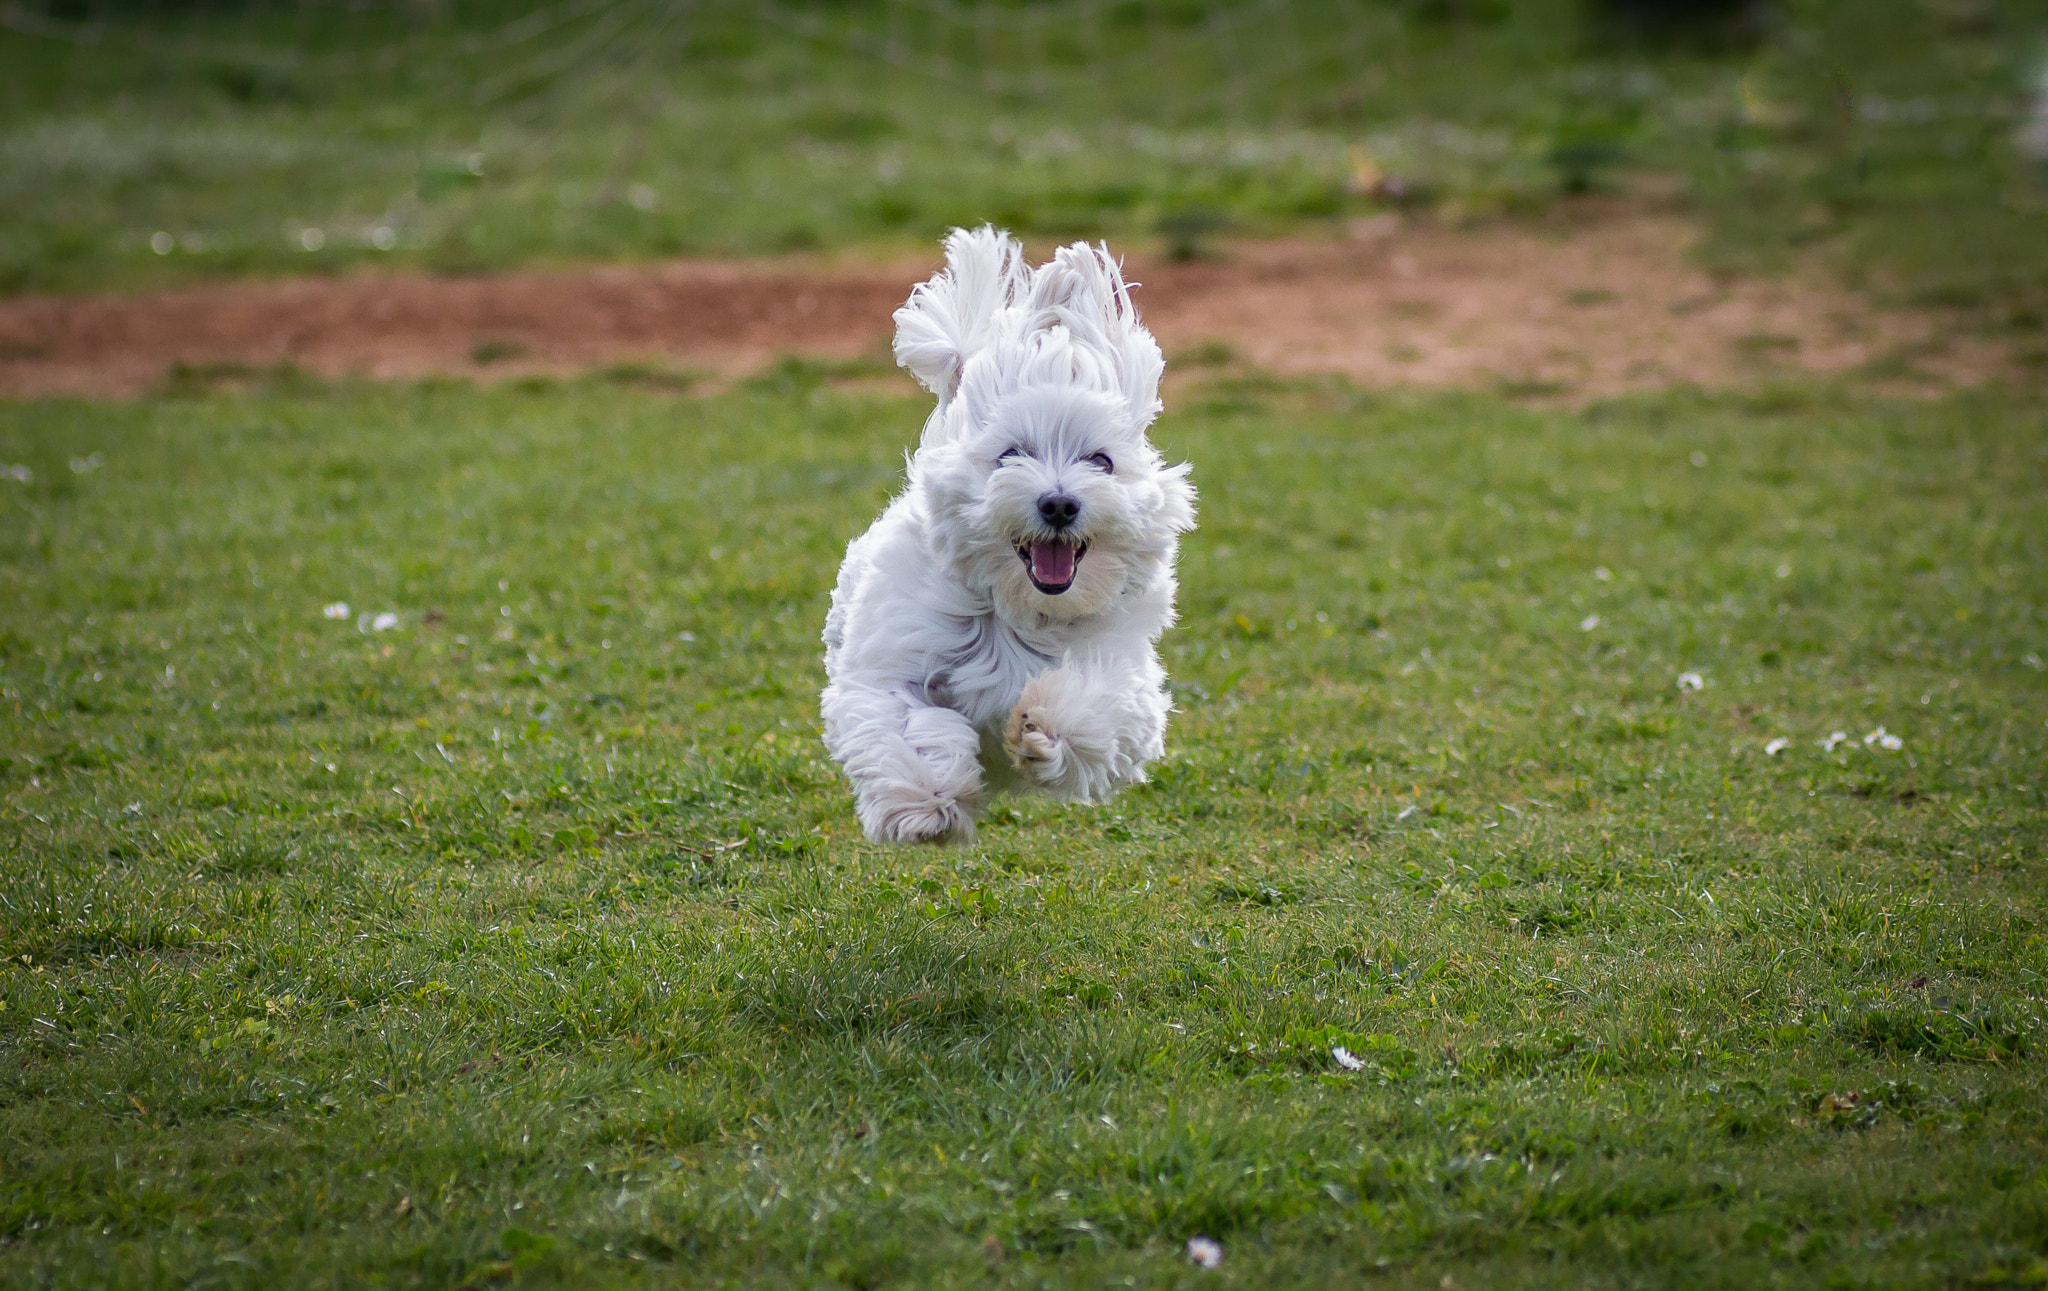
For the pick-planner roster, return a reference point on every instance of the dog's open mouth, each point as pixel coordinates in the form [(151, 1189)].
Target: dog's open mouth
[(1052, 564)]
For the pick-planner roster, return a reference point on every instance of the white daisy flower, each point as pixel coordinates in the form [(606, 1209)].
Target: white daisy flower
[(1205, 1251), (1835, 737), (1777, 746), (1588, 623), (1691, 681), (1346, 1059), (1891, 742), (335, 610), (384, 622)]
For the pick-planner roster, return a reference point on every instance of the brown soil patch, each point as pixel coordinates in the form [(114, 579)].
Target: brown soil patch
[(1604, 303)]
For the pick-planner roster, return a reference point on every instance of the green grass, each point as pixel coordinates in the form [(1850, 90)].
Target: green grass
[(1882, 136), (159, 144), (627, 132), (531, 941)]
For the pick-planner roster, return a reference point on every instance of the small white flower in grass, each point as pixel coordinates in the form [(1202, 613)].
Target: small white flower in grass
[(1588, 623), (335, 610), (1691, 681), (1205, 1251), (87, 465), (19, 474), (1346, 1059), (1883, 739), (1784, 571), (1836, 737), (1603, 573), (1777, 746), (384, 622)]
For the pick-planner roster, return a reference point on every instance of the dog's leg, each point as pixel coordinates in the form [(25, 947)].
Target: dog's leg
[(1080, 733), (915, 772)]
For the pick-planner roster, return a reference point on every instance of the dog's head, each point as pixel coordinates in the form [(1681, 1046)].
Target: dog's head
[(1040, 486)]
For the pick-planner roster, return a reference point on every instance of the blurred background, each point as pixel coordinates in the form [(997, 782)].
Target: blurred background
[(148, 142)]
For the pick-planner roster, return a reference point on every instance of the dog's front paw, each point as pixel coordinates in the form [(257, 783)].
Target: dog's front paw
[(906, 814), (1035, 748)]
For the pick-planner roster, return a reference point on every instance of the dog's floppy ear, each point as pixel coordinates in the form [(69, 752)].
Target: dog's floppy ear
[(947, 319), (1082, 288)]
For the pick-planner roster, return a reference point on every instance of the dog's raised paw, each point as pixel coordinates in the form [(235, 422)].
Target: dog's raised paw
[(1035, 749)]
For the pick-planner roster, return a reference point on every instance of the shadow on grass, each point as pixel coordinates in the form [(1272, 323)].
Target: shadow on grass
[(884, 976)]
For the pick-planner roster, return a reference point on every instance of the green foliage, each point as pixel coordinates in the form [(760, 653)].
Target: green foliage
[(528, 938), (152, 144), (1887, 135), (1945, 1035)]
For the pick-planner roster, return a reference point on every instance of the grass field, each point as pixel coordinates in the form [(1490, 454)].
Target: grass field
[(161, 143), (525, 938), (471, 153)]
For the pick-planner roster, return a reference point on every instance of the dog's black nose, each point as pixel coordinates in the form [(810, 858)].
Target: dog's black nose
[(1058, 510)]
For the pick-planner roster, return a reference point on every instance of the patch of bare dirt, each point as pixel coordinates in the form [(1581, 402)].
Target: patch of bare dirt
[(1605, 303)]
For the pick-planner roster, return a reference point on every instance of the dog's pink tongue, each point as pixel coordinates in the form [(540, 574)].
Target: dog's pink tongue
[(1052, 563)]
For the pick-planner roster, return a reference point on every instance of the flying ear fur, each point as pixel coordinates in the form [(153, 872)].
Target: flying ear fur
[(1070, 321), (1082, 289), (948, 318)]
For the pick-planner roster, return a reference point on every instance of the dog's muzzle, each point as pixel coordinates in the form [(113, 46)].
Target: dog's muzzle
[(1052, 564)]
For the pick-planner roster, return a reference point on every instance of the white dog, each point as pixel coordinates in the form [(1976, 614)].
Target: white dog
[(995, 628)]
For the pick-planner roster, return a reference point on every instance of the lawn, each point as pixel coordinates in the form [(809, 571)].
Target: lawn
[(155, 143), (525, 937)]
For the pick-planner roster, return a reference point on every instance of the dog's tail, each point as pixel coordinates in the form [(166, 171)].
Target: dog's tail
[(947, 319)]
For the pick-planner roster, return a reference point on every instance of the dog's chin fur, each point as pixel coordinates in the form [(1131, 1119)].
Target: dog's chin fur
[(1096, 580), (949, 667)]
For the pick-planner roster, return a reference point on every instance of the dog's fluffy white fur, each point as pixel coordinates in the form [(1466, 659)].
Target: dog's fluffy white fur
[(996, 628)]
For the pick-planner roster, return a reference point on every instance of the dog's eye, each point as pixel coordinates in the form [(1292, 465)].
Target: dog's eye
[(1101, 460), (1009, 453)]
